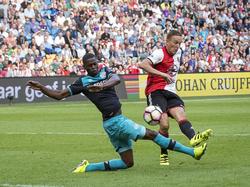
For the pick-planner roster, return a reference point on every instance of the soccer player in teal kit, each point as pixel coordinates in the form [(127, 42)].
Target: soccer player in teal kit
[(98, 87)]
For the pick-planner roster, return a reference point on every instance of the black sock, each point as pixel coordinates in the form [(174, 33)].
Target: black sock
[(165, 134), (187, 129), (107, 166)]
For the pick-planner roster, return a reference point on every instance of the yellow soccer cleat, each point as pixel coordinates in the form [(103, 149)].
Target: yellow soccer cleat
[(81, 167), (164, 160), (201, 137), (199, 151)]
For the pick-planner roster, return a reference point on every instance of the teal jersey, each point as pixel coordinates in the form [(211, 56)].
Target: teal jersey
[(106, 100)]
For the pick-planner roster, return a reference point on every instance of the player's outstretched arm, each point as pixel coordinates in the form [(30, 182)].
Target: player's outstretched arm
[(55, 94), (112, 81)]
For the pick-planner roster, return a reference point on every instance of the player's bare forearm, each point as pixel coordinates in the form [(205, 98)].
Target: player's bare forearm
[(146, 65), (55, 94)]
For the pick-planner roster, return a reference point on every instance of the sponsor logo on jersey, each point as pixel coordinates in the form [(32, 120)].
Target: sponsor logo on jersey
[(103, 74), (173, 70)]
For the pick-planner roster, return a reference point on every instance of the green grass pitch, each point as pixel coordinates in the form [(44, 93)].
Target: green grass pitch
[(41, 143)]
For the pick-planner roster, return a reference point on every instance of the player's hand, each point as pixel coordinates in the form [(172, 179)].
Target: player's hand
[(168, 78), (95, 88), (34, 85)]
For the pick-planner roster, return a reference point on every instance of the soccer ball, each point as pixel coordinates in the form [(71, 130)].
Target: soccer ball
[(152, 115)]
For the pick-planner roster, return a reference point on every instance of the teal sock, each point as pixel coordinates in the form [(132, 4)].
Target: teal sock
[(168, 143), (95, 167), (108, 166), (162, 141), (183, 149)]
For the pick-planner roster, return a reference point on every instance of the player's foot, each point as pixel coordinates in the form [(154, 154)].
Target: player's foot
[(81, 167), (164, 160), (201, 137), (199, 151)]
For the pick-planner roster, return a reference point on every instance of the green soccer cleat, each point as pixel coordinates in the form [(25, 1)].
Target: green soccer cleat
[(200, 137), (164, 160), (199, 151), (81, 167)]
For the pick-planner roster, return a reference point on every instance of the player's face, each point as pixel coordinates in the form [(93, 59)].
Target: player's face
[(173, 44), (91, 66)]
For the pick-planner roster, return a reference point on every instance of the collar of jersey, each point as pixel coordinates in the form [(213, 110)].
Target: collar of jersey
[(88, 80)]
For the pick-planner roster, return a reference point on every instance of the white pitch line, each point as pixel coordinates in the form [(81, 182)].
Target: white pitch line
[(55, 133), (200, 99), (26, 185), (144, 102), (101, 134)]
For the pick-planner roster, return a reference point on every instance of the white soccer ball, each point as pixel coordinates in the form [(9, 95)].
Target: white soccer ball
[(152, 115)]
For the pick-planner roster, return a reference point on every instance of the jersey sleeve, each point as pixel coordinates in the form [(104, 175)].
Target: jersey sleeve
[(156, 57), (76, 87), (177, 56)]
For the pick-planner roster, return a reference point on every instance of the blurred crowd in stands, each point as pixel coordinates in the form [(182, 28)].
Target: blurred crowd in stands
[(49, 37)]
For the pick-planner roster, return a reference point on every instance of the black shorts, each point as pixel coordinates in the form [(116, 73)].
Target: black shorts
[(164, 99)]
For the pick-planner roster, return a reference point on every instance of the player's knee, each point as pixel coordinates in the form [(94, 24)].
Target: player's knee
[(182, 121), (164, 121), (164, 115), (129, 163), (127, 158), (164, 126), (180, 118), (150, 134)]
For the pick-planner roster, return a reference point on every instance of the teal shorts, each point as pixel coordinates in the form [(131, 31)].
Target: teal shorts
[(121, 131)]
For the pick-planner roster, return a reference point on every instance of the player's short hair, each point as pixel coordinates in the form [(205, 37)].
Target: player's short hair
[(173, 33), (88, 56)]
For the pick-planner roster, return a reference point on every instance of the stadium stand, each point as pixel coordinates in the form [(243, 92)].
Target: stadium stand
[(48, 38)]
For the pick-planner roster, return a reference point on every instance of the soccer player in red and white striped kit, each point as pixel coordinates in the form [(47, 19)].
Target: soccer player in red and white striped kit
[(162, 67)]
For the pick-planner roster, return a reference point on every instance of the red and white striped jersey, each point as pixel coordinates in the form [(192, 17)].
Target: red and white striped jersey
[(166, 63)]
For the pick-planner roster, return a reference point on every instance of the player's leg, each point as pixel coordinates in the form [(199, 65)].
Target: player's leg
[(110, 165), (168, 143), (126, 161), (131, 130), (186, 127), (124, 147), (122, 144), (179, 115), (163, 130), (157, 98), (127, 158)]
